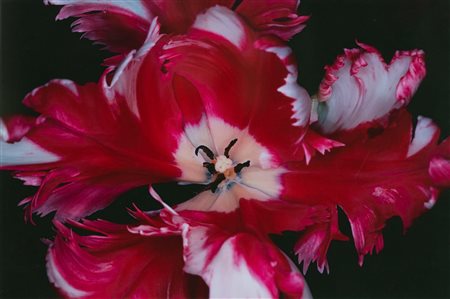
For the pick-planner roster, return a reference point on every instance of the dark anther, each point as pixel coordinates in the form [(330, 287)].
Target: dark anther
[(229, 146), (239, 167), (210, 166), (206, 150), (213, 186)]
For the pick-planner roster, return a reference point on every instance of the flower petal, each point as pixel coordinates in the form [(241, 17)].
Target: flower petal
[(217, 64), (81, 150), (373, 179), (13, 128), (251, 267), (113, 262), (122, 25), (119, 25), (276, 217), (279, 18), (440, 165), (314, 243), (360, 88)]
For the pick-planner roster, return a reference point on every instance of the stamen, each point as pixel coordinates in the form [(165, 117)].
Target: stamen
[(210, 166), (206, 150), (219, 179), (240, 166), (229, 146)]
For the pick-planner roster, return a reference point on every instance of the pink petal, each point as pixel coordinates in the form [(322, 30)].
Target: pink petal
[(113, 262), (359, 87)]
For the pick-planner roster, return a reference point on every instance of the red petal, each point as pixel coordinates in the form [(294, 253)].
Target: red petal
[(122, 25), (440, 165), (314, 243), (372, 179), (119, 25), (217, 63), (116, 263), (13, 128), (279, 18), (85, 147), (274, 217)]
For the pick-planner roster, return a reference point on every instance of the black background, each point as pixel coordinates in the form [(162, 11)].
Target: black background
[(36, 49)]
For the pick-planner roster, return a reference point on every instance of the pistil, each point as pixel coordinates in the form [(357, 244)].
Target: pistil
[(221, 166)]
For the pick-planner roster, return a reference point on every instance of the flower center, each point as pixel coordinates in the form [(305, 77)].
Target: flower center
[(222, 163), (221, 167)]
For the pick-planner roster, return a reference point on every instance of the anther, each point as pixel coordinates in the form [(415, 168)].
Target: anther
[(240, 166), (206, 150), (228, 148), (210, 167), (219, 179)]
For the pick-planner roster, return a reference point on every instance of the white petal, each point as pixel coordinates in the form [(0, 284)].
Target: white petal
[(200, 134), (246, 148), (24, 152), (222, 22), (226, 201), (227, 274), (200, 202), (265, 180), (229, 268), (190, 164), (424, 134), (242, 191), (362, 90), (4, 135)]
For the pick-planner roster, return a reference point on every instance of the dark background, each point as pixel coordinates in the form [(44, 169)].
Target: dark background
[(35, 49)]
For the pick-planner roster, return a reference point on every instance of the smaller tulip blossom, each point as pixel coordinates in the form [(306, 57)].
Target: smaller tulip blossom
[(384, 170), (164, 255), (122, 26), (179, 109)]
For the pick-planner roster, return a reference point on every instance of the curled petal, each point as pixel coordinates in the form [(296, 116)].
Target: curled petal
[(211, 61), (360, 88), (375, 178), (113, 262), (279, 18), (119, 25), (81, 150), (251, 267), (122, 25)]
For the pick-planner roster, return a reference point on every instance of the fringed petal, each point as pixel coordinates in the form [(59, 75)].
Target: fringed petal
[(360, 88)]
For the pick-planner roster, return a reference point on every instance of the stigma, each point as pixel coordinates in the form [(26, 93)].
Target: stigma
[(223, 163)]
